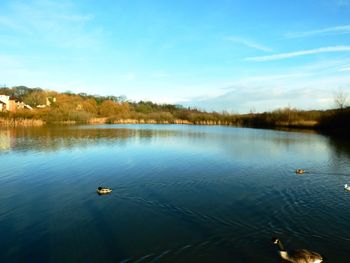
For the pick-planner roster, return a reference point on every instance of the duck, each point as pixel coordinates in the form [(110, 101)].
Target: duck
[(297, 256), (347, 187), (103, 190), (299, 171)]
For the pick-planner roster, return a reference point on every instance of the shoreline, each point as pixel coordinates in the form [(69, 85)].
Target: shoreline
[(305, 126), (27, 122)]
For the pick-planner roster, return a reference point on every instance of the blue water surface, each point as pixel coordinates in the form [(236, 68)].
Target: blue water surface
[(181, 193)]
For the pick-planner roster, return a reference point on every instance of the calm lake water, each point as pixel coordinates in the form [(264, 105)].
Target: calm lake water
[(180, 194)]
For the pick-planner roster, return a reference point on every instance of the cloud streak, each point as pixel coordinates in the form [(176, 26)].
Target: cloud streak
[(48, 22), (299, 53), (303, 93), (343, 3), (249, 43), (345, 69), (337, 30)]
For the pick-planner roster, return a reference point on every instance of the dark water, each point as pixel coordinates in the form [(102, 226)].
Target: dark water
[(180, 194)]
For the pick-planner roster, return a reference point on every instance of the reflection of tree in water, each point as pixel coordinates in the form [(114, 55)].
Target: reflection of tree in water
[(57, 137), (340, 146)]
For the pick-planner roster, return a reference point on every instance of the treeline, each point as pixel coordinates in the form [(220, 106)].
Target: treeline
[(84, 108), (333, 121), (53, 107), (336, 122)]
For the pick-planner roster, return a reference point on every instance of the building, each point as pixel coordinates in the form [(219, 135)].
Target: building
[(49, 101), (2, 106), (21, 105), (6, 104)]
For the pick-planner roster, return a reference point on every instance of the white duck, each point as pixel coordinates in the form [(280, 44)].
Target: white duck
[(297, 256), (347, 187)]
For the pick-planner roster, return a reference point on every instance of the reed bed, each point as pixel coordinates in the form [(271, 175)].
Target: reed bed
[(20, 122)]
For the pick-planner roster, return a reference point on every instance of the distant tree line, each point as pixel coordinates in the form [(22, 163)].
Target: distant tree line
[(81, 107), (68, 106)]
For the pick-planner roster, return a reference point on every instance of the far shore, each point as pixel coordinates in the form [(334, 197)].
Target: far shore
[(25, 107), (22, 122), (304, 126), (14, 122)]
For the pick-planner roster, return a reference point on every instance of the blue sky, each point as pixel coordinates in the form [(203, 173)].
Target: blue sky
[(233, 55)]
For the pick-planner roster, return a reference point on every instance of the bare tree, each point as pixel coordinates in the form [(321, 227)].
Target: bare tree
[(340, 98)]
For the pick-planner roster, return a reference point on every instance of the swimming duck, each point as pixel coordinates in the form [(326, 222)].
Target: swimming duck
[(103, 190), (299, 171), (347, 187), (297, 256)]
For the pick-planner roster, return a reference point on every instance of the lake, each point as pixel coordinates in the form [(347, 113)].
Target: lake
[(180, 194)]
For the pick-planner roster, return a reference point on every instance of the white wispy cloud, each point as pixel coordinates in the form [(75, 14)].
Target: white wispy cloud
[(299, 53), (336, 30), (249, 43), (307, 86), (159, 74), (129, 76), (50, 22), (303, 93), (342, 3), (76, 18), (12, 24)]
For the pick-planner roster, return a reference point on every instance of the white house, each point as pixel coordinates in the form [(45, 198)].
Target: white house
[(4, 103)]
